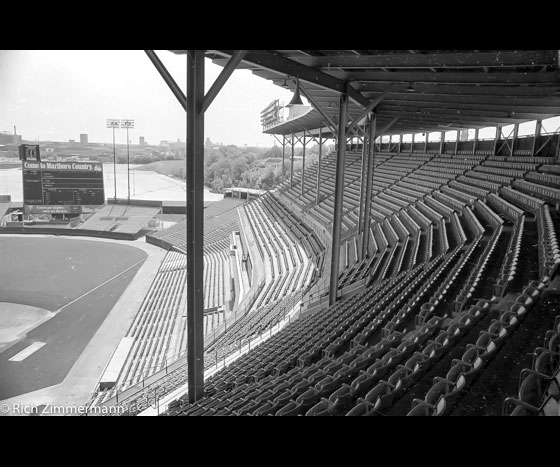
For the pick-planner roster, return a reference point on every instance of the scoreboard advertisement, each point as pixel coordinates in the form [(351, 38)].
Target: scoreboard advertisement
[(61, 187)]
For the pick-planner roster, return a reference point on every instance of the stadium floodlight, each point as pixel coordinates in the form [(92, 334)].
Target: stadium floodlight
[(127, 124), (114, 123)]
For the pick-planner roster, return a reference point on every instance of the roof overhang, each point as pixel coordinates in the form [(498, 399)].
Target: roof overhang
[(416, 90)]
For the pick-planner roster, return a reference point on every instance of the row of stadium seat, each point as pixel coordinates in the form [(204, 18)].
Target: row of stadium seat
[(379, 322), (539, 386)]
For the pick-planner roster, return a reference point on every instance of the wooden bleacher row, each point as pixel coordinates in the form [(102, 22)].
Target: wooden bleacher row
[(216, 278), (529, 160), (153, 326), (549, 252), (508, 268), (543, 179), (508, 210), (545, 193), (119, 218), (220, 220), (524, 201), (510, 173), (471, 285), (289, 266), (492, 178)]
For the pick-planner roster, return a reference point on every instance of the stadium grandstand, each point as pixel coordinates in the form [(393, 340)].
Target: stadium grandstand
[(413, 270)]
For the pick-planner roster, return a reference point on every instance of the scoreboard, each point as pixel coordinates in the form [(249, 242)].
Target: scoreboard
[(62, 187)]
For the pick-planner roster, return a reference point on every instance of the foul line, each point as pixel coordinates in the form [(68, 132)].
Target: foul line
[(105, 283)]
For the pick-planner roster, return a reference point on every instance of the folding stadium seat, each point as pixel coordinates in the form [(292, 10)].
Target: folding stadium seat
[(531, 292), (509, 319), (413, 369), (323, 408), (432, 350), (299, 388), (333, 367), (362, 409), (421, 409), (291, 409), (533, 387), (488, 343), (316, 377), (346, 374), (309, 398), (342, 399), (266, 396), (327, 385), (249, 408), (267, 408), (520, 409), (283, 398), (439, 396), (383, 393), (472, 357), (546, 362), (498, 331), (519, 309)]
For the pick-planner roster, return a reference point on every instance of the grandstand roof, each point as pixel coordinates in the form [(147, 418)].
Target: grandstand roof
[(414, 90)]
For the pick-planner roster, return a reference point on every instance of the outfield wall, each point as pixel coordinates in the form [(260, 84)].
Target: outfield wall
[(71, 233)]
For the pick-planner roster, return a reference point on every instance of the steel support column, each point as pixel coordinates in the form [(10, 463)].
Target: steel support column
[(412, 144), (283, 155), (195, 224), (317, 194), (370, 173), (457, 142), (363, 183), (538, 129), (426, 143), (497, 138), (400, 144), (292, 165), (338, 198), (475, 142), (303, 166), (514, 139), (442, 142), (173, 86)]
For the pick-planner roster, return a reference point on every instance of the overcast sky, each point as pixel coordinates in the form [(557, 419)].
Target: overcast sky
[(56, 95)]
